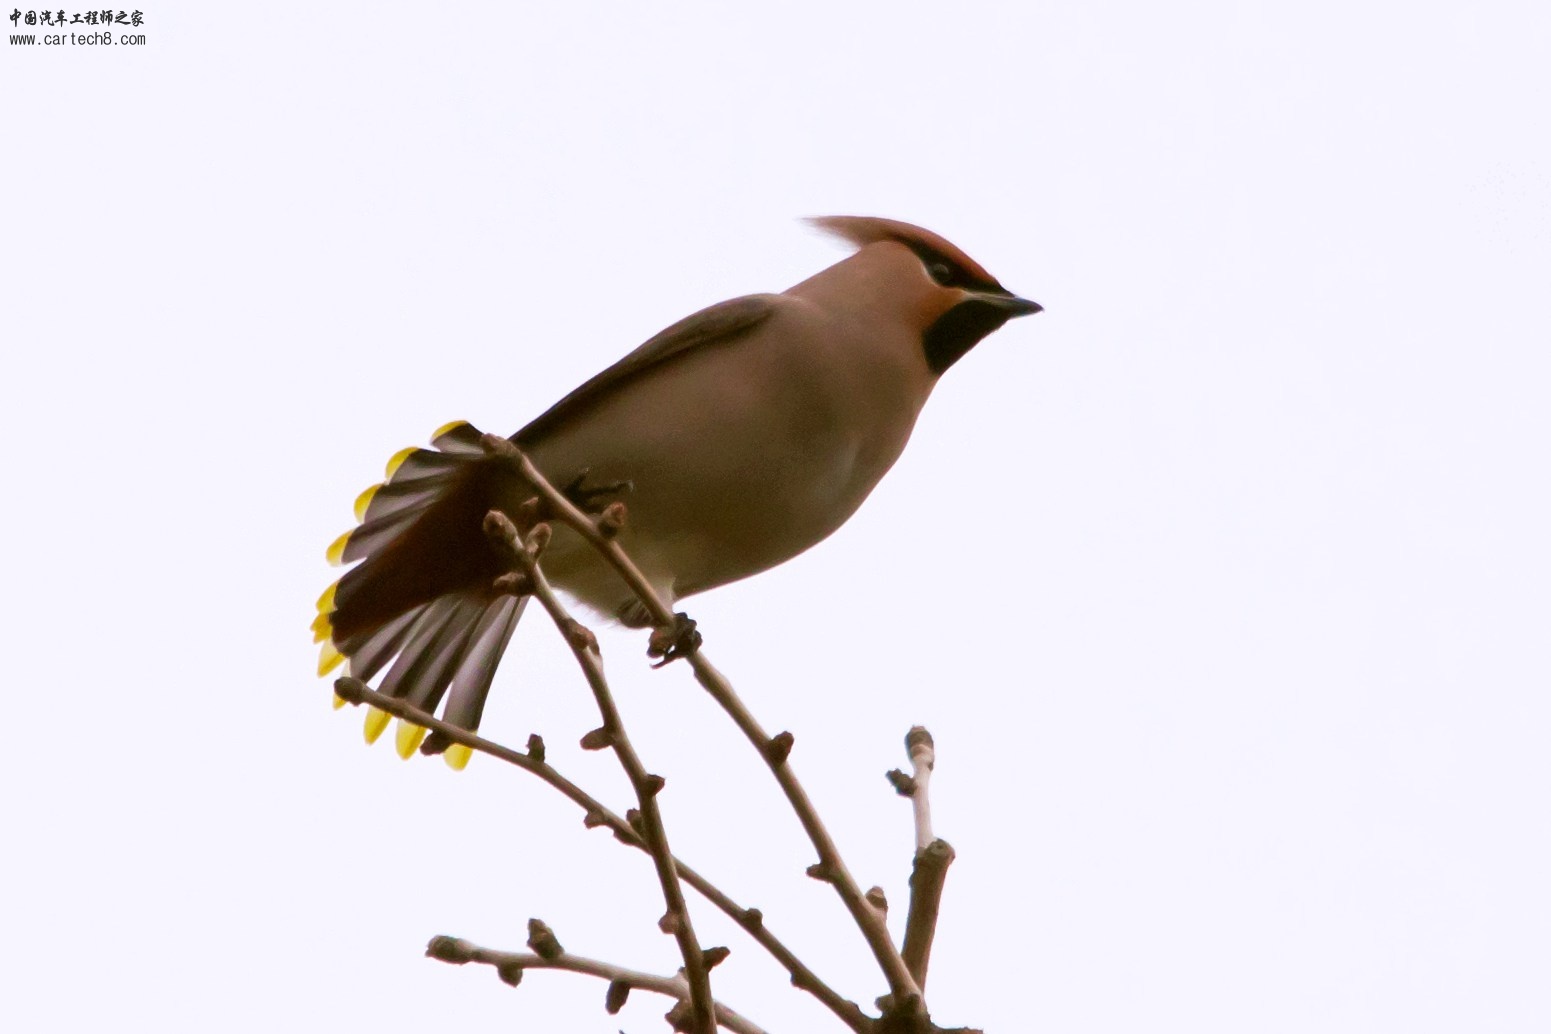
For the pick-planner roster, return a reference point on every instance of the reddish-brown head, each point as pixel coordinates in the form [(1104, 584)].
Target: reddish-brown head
[(970, 302)]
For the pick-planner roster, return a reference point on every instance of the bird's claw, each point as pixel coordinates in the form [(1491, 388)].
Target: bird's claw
[(674, 641), (586, 499)]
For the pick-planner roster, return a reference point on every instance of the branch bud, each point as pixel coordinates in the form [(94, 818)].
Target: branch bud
[(598, 739), (714, 957), (449, 949), (614, 1001), (651, 785), (579, 637), (877, 899), (536, 748), (512, 583), (348, 689), (495, 445), (902, 784), (531, 512), (779, 747), (510, 973), (543, 941), (918, 742), (499, 528), (612, 520)]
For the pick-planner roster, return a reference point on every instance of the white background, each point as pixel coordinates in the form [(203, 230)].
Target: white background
[(1224, 584)]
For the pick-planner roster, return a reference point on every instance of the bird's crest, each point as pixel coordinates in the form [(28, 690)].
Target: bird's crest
[(863, 230)]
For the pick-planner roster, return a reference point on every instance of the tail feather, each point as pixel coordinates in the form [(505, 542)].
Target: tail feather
[(471, 684), (420, 603), (394, 497), (425, 666), (370, 652), (372, 535)]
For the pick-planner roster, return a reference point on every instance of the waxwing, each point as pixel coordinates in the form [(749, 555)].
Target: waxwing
[(739, 437)]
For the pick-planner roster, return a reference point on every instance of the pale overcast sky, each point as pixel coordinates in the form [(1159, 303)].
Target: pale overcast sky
[(1224, 584)]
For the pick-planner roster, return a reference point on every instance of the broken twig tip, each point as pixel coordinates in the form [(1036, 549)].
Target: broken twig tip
[(536, 748)]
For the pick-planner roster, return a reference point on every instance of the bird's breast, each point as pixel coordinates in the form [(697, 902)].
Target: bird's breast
[(742, 455)]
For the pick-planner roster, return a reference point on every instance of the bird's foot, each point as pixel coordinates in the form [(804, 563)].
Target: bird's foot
[(674, 641), (588, 499)]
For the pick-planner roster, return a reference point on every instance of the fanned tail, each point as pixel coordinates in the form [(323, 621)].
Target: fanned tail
[(420, 603)]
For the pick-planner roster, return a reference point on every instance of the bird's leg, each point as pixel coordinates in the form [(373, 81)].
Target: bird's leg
[(585, 499), (674, 641)]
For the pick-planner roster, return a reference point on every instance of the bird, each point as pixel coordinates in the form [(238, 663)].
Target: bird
[(742, 435)]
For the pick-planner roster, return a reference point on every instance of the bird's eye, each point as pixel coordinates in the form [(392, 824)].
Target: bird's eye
[(940, 272)]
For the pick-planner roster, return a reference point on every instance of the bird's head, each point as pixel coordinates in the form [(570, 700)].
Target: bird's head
[(928, 280)]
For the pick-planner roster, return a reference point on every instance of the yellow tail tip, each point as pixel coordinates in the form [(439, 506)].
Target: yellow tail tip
[(328, 658), (339, 701), (447, 428), (376, 721), (322, 628), (326, 601), (397, 460), (457, 756), (363, 501), (407, 739), (336, 550)]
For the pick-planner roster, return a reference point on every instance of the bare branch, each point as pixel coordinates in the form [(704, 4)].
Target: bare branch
[(902, 984), (511, 965), (584, 645), (596, 814), (932, 858), (927, 875), (869, 920)]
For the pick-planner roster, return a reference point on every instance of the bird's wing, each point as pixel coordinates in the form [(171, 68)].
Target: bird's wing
[(717, 325)]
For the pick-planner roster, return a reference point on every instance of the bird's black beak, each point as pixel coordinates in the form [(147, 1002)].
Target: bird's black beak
[(1009, 305), (1015, 306)]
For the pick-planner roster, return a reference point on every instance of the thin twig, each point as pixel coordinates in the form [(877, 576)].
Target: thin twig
[(597, 814), (510, 965), (932, 857), (584, 645), (923, 757), (902, 985), (871, 921)]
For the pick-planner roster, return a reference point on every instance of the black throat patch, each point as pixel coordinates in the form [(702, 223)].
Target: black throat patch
[(958, 330)]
